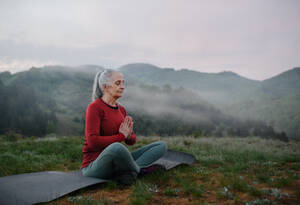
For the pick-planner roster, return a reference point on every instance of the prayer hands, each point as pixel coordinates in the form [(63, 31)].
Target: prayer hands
[(126, 127)]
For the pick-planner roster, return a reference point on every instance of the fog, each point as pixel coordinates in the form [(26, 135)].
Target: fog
[(158, 102)]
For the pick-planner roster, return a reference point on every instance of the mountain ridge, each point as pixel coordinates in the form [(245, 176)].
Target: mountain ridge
[(274, 101), (157, 110)]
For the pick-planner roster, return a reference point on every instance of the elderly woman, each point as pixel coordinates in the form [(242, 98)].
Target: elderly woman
[(107, 125)]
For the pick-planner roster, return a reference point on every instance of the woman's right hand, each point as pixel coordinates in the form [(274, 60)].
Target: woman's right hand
[(126, 128)]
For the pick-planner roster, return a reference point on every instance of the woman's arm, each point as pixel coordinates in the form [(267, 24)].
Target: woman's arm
[(94, 140)]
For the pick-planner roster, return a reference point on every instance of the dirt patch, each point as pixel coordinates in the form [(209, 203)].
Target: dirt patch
[(211, 181), (116, 196)]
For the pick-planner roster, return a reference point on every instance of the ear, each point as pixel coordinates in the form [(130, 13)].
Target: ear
[(104, 86)]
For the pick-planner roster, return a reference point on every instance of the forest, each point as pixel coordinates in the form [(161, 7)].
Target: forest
[(52, 100)]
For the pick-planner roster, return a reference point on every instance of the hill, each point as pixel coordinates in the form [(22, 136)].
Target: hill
[(274, 101), (65, 89), (156, 110), (25, 111), (284, 84), (217, 88)]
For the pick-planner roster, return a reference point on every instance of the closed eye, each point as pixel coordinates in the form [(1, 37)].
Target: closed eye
[(119, 82)]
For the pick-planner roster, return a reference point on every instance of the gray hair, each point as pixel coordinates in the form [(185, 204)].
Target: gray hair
[(101, 78)]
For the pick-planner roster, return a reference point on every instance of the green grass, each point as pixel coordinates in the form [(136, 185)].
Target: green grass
[(83, 200), (282, 182), (141, 194), (227, 170), (238, 183), (253, 191), (171, 191), (188, 186), (34, 155), (111, 185)]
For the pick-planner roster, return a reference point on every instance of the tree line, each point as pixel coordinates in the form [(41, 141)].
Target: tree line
[(22, 111), (33, 104)]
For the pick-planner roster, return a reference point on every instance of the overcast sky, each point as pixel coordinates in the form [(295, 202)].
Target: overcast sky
[(257, 39)]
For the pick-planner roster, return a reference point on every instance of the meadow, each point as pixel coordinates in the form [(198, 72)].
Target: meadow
[(227, 170)]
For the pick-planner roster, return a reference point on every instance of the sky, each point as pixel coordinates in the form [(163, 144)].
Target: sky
[(257, 39)]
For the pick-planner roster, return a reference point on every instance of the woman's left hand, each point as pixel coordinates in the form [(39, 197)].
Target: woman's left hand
[(130, 125), (127, 127)]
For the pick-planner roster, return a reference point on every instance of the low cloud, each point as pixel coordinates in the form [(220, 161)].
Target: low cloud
[(16, 65), (156, 102)]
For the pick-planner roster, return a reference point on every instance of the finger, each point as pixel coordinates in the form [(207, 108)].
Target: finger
[(131, 122), (127, 119), (126, 122)]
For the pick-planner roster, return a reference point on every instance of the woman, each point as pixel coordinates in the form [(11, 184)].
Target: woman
[(107, 125)]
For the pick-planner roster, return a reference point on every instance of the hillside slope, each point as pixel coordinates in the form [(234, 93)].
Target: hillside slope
[(218, 88), (274, 101), (156, 110)]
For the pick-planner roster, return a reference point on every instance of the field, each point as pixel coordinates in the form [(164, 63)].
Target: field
[(227, 171)]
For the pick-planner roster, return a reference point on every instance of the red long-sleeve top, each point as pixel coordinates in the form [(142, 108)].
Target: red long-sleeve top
[(102, 123)]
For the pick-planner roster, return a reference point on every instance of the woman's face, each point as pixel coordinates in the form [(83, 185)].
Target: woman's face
[(116, 86)]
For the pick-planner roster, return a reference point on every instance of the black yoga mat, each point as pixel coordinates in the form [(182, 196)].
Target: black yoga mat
[(32, 188)]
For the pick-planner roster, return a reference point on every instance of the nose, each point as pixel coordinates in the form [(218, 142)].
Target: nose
[(122, 86)]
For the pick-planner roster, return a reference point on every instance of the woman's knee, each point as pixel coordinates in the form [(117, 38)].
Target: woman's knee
[(118, 148), (162, 145)]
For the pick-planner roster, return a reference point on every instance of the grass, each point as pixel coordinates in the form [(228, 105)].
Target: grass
[(141, 193), (171, 191), (226, 171), (84, 200)]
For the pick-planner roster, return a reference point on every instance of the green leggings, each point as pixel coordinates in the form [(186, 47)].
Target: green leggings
[(116, 158)]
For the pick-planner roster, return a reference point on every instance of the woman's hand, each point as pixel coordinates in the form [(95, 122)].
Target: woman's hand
[(126, 128)]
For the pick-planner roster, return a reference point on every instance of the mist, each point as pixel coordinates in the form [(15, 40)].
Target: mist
[(165, 101)]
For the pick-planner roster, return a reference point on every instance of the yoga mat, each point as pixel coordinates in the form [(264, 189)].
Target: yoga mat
[(37, 187)]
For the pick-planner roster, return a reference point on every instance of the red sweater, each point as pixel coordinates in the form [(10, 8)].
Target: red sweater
[(102, 123)]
